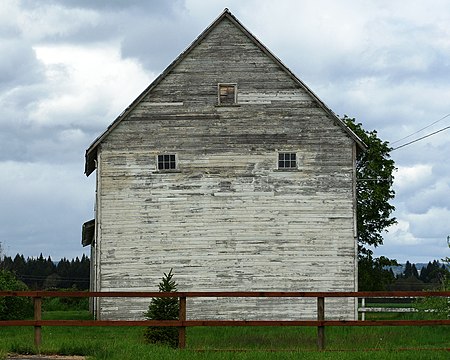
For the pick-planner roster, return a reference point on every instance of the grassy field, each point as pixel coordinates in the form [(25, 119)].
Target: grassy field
[(232, 342)]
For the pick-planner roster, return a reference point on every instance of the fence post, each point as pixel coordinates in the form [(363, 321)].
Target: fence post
[(182, 329), (37, 301), (363, 305), (321, 317)]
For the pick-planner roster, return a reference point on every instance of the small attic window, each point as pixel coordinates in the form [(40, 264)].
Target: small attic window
[(227, 94)]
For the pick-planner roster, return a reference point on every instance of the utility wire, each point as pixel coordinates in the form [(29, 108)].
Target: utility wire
[(421, 138), (418, 131)]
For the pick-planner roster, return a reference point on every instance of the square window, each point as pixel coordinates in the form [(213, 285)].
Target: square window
[(167, 162), (287, 160), (227, 94)]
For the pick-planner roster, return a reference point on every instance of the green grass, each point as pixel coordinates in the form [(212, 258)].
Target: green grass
[(231, 342)]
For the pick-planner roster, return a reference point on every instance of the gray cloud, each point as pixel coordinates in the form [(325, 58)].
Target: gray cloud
[(141, 26), (153, 6), (43, 208), (18, 64), (69, 67), (150, 33)]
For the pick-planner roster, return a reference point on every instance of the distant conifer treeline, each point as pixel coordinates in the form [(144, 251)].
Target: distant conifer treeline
[(432, 276), (42, 273)]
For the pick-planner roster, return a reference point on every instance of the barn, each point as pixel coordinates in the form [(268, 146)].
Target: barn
[(231, 171)]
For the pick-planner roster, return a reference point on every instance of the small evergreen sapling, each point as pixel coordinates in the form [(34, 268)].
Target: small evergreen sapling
[(163, 308)]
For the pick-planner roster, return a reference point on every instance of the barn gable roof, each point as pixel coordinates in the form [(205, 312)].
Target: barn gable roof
[(91, 152)]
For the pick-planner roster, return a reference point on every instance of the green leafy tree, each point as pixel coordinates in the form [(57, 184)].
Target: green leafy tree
[(437, 307), (434, 272), (374, 170), (374, 273), (163, 308), (13, 308)]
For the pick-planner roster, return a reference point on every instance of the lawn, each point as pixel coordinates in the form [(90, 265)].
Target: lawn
[(232, 342)]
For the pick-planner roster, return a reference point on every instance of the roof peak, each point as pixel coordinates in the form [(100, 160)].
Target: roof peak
[(91, 152)]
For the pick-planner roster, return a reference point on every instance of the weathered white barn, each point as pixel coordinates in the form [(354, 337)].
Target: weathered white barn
[(231, 171)]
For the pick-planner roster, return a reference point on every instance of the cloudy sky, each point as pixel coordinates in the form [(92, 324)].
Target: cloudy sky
[(69, 67)]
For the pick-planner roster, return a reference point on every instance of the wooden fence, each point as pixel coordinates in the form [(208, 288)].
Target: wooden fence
[(363, 309), (182, 323)]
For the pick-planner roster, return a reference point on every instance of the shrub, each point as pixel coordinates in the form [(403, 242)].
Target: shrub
[(65, 303), (13, 308), (163, 308), (435, 307)]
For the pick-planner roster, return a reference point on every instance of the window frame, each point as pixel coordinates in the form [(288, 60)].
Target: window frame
[(286, 161), (173, 160), (228, 85)]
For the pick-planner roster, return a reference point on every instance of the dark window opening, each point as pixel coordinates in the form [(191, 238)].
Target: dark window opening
[(227, 94), (167, 162), (287, 160)]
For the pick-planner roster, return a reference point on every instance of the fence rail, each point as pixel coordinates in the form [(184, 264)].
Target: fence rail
[(183, 323), (363, 309)]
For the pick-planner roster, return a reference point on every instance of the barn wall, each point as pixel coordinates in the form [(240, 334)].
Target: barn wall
[(227, 219)]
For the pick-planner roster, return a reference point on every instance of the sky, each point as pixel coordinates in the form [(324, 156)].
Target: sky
[(68, 68)]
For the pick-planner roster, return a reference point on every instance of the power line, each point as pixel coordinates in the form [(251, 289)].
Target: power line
[(418, 131), (421, 138)]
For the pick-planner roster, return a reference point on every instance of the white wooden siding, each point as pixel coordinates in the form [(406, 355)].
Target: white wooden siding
[(227, 219)]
